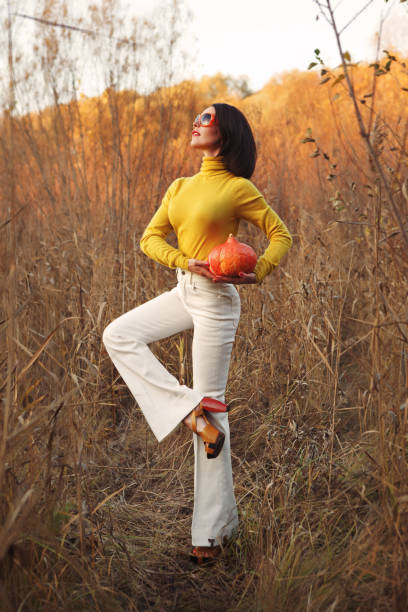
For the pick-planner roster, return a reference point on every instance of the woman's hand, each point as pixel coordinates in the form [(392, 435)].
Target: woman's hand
[(241, 279), (200, 267)]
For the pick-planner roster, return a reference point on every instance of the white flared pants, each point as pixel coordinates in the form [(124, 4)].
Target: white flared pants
[(213, 311)]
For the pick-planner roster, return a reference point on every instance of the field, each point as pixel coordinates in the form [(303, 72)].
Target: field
[(95, 513)]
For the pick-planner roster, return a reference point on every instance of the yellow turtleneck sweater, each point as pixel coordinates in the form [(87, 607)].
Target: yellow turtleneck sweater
[(203, 210)]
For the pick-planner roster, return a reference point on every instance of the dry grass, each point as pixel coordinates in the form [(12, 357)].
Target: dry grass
[(95, 514)]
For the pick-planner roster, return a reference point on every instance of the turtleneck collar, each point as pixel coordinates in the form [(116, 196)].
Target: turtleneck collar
[(212, 165)]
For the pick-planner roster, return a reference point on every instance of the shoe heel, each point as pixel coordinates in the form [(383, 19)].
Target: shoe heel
[(216, 448)]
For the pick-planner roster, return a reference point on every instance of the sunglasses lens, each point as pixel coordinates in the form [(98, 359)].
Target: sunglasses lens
[(205, 119), (197, 119)]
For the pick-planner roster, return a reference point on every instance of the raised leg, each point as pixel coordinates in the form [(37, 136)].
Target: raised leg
[(163, 401)]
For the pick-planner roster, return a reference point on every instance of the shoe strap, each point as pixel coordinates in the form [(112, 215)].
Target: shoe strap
[(196, 413)]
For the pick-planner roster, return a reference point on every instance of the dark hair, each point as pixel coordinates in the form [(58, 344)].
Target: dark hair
[(238, 147)]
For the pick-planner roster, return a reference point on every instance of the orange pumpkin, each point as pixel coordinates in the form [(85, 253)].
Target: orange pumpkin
[(231, 258)]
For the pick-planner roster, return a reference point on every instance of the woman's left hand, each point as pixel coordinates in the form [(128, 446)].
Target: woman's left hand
[(241, 279)]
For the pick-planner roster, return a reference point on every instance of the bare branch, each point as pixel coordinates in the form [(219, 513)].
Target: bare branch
[(322, 8), (355, 16), (66, 26), (374, 86), (363, 129), (340, 2)]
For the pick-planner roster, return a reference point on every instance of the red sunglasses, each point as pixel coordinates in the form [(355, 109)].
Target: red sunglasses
[(205, 120)]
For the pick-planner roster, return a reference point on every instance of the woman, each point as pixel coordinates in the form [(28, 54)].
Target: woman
[(202, 210)]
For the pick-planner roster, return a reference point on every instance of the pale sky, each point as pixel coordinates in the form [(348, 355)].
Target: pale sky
[(261, 38), (256, 38)]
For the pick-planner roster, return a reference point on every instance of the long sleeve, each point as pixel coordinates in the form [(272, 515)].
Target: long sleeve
[(153, 242), (203, 210), (253, 207)]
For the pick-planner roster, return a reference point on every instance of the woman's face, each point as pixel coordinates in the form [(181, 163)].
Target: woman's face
[(206, 138)]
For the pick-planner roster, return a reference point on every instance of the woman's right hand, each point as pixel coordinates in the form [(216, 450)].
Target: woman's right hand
[(200, 267)]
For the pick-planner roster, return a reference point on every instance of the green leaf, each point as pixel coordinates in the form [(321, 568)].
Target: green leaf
[(315, 153), (309, 132), (347, 56), (317, 51), (311, 65), (325, 80), (388, 65), (307, 139)]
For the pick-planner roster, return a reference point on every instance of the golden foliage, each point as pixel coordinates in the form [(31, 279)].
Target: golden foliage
[(94, 512)]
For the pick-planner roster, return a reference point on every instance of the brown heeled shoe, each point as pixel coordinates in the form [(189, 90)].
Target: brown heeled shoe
[(212, 438), (205, 555)]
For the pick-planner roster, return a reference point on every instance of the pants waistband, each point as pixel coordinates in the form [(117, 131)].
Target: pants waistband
[(197, 280)]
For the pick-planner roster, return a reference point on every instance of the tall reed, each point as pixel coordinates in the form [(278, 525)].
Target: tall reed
[(95, 514)]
